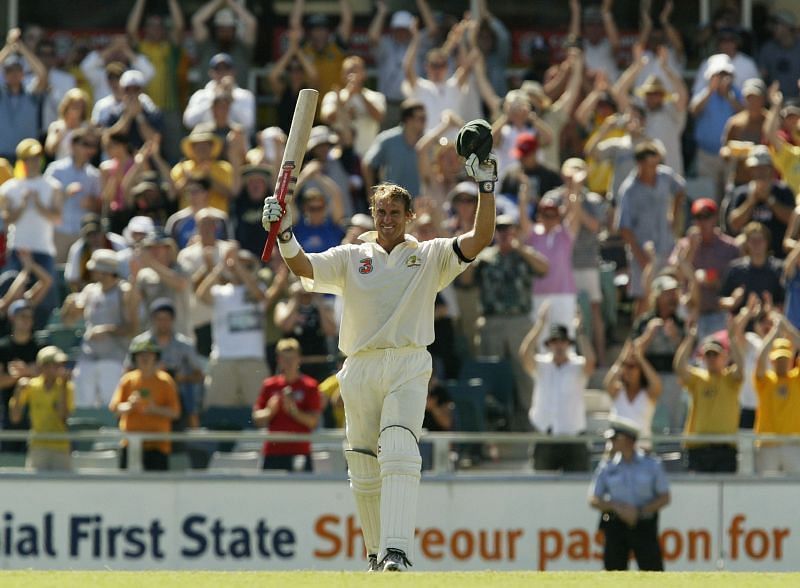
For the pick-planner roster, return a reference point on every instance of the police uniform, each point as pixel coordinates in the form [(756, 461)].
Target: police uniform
[(636, 482), (387, 323)]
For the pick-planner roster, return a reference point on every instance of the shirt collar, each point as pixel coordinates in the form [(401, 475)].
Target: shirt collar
[(372, 237)]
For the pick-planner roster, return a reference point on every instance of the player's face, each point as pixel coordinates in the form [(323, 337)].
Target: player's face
[(390, 218)]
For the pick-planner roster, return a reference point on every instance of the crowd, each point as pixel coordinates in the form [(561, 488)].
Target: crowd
[(131, 208)]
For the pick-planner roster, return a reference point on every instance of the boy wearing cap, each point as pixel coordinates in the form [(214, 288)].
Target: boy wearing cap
[(714, 393), (50, 398), (146, 401), (778, 390), (135, 115), (629, 488)]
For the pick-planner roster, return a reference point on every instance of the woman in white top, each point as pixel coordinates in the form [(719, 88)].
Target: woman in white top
[(634, 387), (73, 113)]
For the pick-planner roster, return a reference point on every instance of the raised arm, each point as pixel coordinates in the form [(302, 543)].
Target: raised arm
[(681, 361), (621, 90), (428, 20), (376, 25), (135, 19), (766, 346), (178, 24), (485, 174), (606, 11), (574, 30), (200, 19), (772, 120), (410, 58), (587, 350), (345, 28), (248, 20), (530, 343), (36, 65), (673, 36), (654, 384), (675, 80), (566, 102)]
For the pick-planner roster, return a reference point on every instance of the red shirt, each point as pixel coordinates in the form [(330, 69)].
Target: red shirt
[(306, 396)]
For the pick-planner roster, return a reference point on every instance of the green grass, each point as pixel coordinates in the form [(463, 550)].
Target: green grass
[(44, 579)]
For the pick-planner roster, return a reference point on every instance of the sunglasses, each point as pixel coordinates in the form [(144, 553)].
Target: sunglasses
[(704, 216), (315, 208), (437, 64), (630, 365), (88, 144)]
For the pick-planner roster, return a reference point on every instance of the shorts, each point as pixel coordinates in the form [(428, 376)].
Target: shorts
[(45, 459), (234, 382), (588, 280), (95, 381)]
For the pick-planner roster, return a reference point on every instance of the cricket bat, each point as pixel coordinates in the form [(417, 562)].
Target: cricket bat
[(302, 120)]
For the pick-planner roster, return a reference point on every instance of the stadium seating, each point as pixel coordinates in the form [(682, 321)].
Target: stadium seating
[(497, 379), (235, 461)]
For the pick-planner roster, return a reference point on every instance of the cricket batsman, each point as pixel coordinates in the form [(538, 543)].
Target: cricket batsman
[(388, 283)]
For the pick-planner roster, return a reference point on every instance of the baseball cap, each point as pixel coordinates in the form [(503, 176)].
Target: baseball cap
[(220, 59), (759, 156), (718, 63), (464, 189), (781, 348), (362, 221), (144, 346), (525, 144), (28, 148), (162, 303), (103, 260), (18, 305), (401, 19), (663, 284), (557, 333), (50, 354), (138, 224), (573, 164), (711, 346), (115, 68), (622, 426), (754, 86), (505, 220), (702, 205), (225, 18), (132, 78), (13, 60), (321, 135)]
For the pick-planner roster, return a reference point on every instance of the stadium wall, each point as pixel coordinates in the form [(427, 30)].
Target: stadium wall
[(268, 523)]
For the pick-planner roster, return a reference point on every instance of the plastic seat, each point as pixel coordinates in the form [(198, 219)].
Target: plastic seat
[(497, 377), (95, 460), (239, 461)]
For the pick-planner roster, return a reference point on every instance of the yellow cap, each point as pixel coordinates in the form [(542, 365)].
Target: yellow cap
[(28, 148)]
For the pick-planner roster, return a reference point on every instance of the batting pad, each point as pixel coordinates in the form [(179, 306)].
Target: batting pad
[(400, 462), (365, 482)]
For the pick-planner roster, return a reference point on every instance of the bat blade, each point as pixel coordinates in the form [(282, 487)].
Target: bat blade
[(302, 120)]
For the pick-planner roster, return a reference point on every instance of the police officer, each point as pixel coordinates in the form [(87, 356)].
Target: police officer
[(629, 488)]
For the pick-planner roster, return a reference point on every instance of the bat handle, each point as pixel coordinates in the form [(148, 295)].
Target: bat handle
[(266, 254)]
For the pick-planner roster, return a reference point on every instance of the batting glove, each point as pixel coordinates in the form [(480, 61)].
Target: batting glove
[(273, 213), (483, 172)]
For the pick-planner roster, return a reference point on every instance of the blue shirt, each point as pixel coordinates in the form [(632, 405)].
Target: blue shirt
[(19, 119), (88, 177), (316, 239), (792, 309), (391, 153), (636, 482), (710, 123)]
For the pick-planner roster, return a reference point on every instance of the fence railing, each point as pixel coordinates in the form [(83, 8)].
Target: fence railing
[(441, 443)]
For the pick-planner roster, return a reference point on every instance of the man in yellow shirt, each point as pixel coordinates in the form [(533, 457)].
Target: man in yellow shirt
[(714, 393), (778, 390), (202, 149), (50, 399)]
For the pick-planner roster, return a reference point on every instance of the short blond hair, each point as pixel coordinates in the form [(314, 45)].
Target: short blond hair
[(391, 192), (72, 96), (288, 344)]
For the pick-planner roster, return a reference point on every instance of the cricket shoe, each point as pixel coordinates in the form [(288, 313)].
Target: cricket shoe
[(395, 560), (374, 566)]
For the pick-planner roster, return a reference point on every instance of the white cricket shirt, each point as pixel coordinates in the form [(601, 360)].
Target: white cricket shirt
[(558, 405), (388, 298)]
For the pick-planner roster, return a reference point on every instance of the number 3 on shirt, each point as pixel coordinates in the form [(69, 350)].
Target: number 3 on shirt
[(366, 265)]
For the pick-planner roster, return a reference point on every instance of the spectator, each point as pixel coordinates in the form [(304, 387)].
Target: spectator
[(103, 107), (326, 150), (31, 206), (109, 307), (257, 183), (49, 398), (307, 317), (504, 274), (197, 259), (81, 182), (117, 206), (178, 358), (95, 65), (653, 39), (137, 229), (286, 86), (493, 40), (183, 226), (222, 71), (778, 393), (634, 387), (146, 401), (31, 284), (163, 47), (527, 169), (558, 406), (784, 141), (315, 229), (17, 360), (714, 407), (202, 149), (518, 118), (779, 58), (629, 488), (156, 274), (392, 157), (73, 114), (756, 272), (436, 91), (743, 131), (729, 41), (658, 332), (324, 50), (763, 199), (389, 51), (232, 134), (355, 105), (20, 106), (289, 402), (237, 364), (713, 103), (649, 201), (148, 183), (91, 238), (709, 252), (665, 110), (235, 33), (591, 113), (135, 116), (440, 166), (59, 82), (600, 36)]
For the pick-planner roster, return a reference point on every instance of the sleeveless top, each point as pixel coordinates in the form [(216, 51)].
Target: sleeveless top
[(103, 308), (640, 410)]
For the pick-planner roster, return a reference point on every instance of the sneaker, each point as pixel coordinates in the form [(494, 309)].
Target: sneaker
[(393, 560), (373, 564)]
